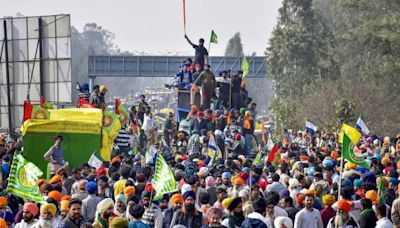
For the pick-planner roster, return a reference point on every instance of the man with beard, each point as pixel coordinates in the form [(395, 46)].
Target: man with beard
[(104, 211), (213, 218), (308, 216), (342, 218), (163, 203), (152, 215), (120, 206), (176, 203), (188, 215), (29, 211), (74, 218), (47, 216), (235, 216)]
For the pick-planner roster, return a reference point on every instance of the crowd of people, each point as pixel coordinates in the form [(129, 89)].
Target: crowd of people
[(304, 187)]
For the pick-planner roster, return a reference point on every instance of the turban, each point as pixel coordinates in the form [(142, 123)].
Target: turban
[(3, 223), (237, 180), (32, 208), (101, 172), (189, 194), (385, 161), (235, 202), (64, 205), (91, 187), (284, 193), (226, 175), (55, 195), (177, 198), (56, 179), (299, 198), (185, 188), (244, 193), (244, 175), (210, 181), (357, 183), (293, 183), (82, 184), (226, 202), (115, 159), (309, 192), (213, 211), (66, 197), (203, 171), (146, 194), (119, 222), (121, 197), (281, 220), (3, 201), (327, 163), (48, 207), (328, 199), (372, 195), (335, 154), (385, 181), (344, 205), (40, 182), (130, 190), (104, 205), (304, 158)]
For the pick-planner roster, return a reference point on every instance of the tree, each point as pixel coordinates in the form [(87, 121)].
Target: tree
[(234, 47)]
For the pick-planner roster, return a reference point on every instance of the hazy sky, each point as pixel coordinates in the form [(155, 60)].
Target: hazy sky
[(156, 26)]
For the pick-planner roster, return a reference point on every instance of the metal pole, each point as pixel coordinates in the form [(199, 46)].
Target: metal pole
[(8, 77), (41, 63)]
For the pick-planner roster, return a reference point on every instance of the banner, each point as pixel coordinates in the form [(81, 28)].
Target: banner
[(45, 104), (351, 132), (213, 37), (39, 113), (120, 110), (23, 178), (213, 151), (245, 66), (164, 180)]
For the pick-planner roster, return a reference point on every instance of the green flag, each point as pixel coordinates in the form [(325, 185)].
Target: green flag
[(213, 38), (23, 178), (40, 113), (245, 66), (164, 180), (108, 119), (257, 159), (348, 153)]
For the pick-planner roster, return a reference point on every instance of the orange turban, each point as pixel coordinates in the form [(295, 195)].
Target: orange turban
[(344, 205), (40, 182), (3, 201), (115, 159), (372, 195), (56, 179), (64, 207), (385, 160), (66, 197), (129, 191), (299, 198), (177, 198), (309, 192), (237, 180), (304, 158), (3, 223), (334, 154), (55, 195), (385, 181)]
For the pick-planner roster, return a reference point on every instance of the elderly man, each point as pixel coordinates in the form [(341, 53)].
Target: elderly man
[(235, 216), (188, 215), (343, 218), (120, 206), (47, 217), (74, 218), (176, 203), (104, 211), (29, 211)]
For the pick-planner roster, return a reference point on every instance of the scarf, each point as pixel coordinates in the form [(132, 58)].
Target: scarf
[(102, 221), (364, 212)]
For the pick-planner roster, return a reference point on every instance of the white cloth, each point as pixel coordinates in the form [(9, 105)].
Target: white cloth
[(384, 223), (23, 224), (283, 220), (308, 219), (258, 216)]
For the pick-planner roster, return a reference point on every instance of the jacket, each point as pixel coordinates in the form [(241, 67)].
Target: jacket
[(396, 213), (368, 218), (256, 220)]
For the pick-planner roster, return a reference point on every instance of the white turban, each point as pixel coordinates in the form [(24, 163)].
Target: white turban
[(104, 205), (283, 220), (293, 183)]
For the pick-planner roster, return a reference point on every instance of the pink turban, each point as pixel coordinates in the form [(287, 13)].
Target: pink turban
[(32, 208), (210, 181)]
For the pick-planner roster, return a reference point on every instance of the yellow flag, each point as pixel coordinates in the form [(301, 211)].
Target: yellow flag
[(351, 132)]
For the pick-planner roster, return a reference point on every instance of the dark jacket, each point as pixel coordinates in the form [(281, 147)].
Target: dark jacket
[(368, 218), (253, 223), (168, 214), (198, 125), (190, 221), (68, 222)]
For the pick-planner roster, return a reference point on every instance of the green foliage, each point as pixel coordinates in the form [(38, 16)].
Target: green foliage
[(234, 48), (337, 59), (344, 112)]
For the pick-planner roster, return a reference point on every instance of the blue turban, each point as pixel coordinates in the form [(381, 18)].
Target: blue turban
[(226, 175), (357, 183), (369, 177), (189, 193), (393, 180), (327, 163), (346, 183), (9, 217), (91, 187)]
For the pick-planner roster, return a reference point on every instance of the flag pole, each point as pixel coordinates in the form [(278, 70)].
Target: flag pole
[(184, 16), (340, 173)]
